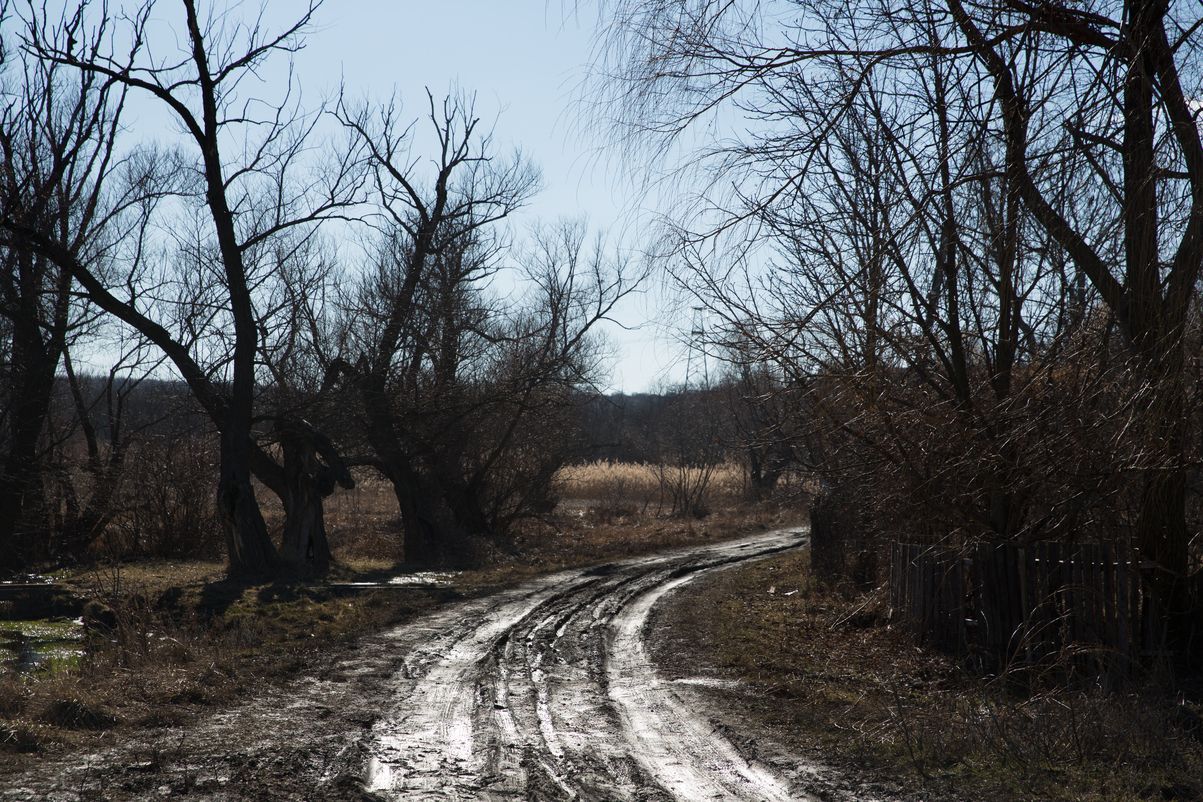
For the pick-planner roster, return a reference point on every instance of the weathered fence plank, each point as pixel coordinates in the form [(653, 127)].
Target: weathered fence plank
[(1029, 603)]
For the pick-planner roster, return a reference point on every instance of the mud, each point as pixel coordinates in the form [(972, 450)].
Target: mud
[(544, 692)]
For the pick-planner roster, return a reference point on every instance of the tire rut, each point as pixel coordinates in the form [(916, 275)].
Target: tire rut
[(549, 694)]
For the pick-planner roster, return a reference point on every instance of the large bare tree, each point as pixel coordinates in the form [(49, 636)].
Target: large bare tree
[(462, 394), (54, 126), (267, 189)]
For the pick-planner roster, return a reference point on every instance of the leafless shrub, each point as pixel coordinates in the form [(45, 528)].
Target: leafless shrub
[(686, 487), (169, 502), (689, 448)]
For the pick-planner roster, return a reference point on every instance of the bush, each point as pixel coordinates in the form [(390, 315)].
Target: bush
[(841, 545), (169, 502)]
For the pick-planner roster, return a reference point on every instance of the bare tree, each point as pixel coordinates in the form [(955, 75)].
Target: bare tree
[(267, 192), (916, 204), (766, 421), (1126, 79), (690, 446), (426, 227), (89, 501), (464, 396), (466, 399), (50, 125)]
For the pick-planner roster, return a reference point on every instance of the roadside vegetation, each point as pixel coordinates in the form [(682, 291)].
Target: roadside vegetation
[(822, 669), (962, 242)]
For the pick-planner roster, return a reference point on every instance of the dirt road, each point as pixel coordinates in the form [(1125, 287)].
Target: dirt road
[(547, 691), (543, 691)]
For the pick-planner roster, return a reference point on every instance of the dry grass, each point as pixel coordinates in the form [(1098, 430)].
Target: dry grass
[(827, 674), (586, 537), (618, 503), (638, 487), (187, 640), (362, 523), (176, 639), (147, 578), (612, 510)]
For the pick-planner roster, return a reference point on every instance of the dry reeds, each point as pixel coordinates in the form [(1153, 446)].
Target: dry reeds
[(643, 487)]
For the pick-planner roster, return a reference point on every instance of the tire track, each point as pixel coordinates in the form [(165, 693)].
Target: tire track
[(546, 692)]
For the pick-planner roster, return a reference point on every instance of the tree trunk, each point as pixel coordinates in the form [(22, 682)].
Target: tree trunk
[(249, 548), (304, 545), (430, 537), (21, 500), (764, 473), (82, 530), (22, 525), (1162, 532), (18, 485)]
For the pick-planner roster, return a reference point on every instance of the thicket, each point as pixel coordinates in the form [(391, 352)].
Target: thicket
[(967, 240)]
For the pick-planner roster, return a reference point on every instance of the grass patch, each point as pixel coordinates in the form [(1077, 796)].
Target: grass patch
[(579, 537), (827, 674), (637, 487), (166, 652)]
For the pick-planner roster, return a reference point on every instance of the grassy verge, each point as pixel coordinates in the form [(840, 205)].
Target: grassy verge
[(588, 535), (825, 674), (169, 641)]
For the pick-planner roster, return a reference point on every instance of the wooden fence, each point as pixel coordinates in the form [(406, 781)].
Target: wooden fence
[(1004, 604)]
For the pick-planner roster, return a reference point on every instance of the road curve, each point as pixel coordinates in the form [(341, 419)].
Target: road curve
[(546, 691)]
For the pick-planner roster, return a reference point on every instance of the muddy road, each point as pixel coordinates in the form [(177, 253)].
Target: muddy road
[(542, 691), (547, 691)]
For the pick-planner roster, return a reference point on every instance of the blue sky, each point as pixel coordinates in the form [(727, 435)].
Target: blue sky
[(525, 60)]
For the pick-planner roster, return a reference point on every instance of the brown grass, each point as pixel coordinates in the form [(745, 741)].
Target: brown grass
[(637, 485), (187, 640), (590, 536), (607, 510), (184, 641), (362, 523), (827, 674)]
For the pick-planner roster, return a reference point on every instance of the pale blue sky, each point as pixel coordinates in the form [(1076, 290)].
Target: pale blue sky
[(525, 60)]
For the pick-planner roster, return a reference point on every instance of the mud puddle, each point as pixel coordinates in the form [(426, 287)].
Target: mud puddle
[(45, 646)]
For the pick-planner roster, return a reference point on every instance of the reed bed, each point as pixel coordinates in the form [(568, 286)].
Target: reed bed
[(642, 484)]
